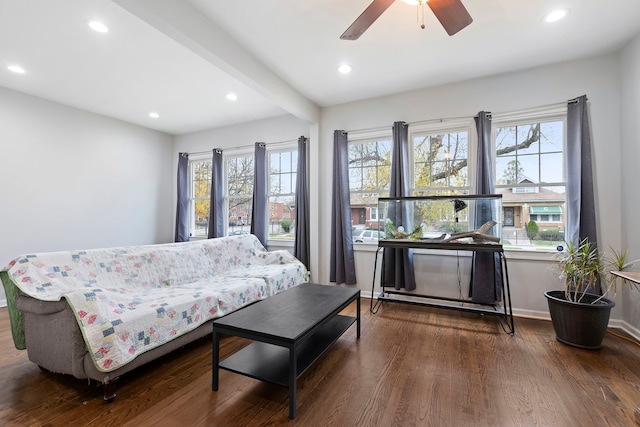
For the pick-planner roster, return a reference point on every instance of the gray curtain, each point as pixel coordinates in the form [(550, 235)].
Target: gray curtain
[(343, 267), (581, 211), (301, 241), (486, 273), (182, 208), (216, 207), (260, 205), (397, 264)]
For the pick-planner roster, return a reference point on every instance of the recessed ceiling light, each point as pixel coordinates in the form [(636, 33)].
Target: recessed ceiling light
[(411, 2), (98, 26), (556, 15), (154, 115), (232, 97), (16, 69), (344, 69)]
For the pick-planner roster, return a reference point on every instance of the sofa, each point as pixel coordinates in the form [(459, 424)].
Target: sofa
[(97, 314)]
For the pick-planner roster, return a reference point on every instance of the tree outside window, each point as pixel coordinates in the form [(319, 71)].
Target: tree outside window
[(440, 163), (239, 175), (369, 176), (199, 197), (440, 168)]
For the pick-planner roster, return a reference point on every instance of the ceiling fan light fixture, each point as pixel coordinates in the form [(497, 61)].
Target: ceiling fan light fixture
[(556, 15), (452, 14)]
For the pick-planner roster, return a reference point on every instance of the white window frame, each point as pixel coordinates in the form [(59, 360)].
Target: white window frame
[(281, 148), (191, 196), (520, 118), (366, 137), (445, 127), (226, 156), (373, 214)]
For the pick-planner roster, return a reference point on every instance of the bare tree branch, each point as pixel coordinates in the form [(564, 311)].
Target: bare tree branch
[(533, 136)]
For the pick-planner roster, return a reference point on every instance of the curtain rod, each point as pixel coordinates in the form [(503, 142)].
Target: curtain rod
[(290, 141), (453, 119), (554, 105), (421, 122)]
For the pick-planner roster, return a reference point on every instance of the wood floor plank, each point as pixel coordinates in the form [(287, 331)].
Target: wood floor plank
[(412, 366)]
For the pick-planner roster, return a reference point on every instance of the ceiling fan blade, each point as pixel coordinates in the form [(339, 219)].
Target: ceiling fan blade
[(451, 13), (364, 21)]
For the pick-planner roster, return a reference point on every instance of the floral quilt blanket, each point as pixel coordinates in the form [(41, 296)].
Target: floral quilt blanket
[(128, 300)]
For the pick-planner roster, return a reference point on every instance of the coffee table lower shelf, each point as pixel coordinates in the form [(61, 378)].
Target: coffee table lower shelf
[(270, 362)]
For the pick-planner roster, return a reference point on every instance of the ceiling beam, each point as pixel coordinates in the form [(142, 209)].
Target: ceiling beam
[(179, 20)]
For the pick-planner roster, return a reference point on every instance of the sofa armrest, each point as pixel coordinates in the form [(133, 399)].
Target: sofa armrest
[(52, 335), (36, 306)]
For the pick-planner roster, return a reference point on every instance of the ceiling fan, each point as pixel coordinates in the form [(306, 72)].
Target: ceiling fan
[(451, 13)]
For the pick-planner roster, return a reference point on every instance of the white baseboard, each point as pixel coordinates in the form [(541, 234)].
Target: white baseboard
[(532, 314), (634, 332), (3, 302), (544, 315)]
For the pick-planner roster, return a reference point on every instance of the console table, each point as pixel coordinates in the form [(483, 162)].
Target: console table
[(502, 311), (290, 330)]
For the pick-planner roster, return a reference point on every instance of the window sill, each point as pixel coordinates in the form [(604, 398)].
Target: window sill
[(280, 243), (509, 254)]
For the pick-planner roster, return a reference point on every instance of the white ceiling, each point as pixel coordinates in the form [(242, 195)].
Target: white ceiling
[(181, 57)]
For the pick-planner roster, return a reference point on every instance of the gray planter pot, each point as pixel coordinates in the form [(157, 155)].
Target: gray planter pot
[(581, 325)]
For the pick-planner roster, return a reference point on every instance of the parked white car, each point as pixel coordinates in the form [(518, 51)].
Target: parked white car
[(367, 236)]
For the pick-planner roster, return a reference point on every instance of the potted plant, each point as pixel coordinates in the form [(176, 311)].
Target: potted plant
[(579, 315)]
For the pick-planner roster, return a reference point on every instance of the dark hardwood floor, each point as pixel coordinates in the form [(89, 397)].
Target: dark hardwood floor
[(413, 366)]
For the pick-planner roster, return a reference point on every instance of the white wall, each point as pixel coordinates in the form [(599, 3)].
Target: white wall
[(70, 179), (598, 78), (630, 170), (278, 129)]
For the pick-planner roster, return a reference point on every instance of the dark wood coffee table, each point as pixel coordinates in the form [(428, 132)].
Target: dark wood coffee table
[(291, 331)]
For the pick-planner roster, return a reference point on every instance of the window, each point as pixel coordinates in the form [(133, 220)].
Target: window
[(239, 192), (199, 197), (369, 174), (238, 175), (439, 167), (526, 189), (530, 175), (529, 159), (440, 163), (282, 188), (374, 214)]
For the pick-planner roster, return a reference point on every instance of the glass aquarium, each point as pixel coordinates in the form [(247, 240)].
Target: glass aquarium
[(440, 220)]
